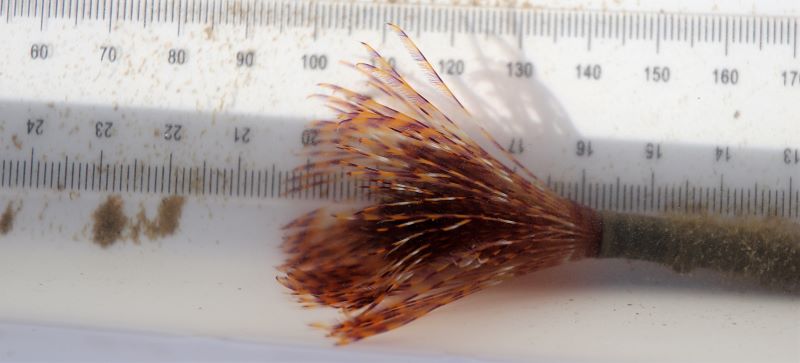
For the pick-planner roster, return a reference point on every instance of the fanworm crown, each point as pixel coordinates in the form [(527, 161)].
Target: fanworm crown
[(448, 218)]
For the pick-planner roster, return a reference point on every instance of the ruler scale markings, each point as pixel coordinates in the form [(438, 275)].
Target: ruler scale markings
[(546, 25), (596, 25), (179, 174), (244, 16), (790, 197), (769, 201), (783, 202), (796, 203), (625, 199), (110, 4), (658, 33), (528, 23), (771, 28), (589, 32), (30, 173), (230, 182), (24, 173), (180, 7), (638, 204), (728, 201), (41, 16), (756, 205), (716, 30), (39, 169), (583, 186), (568, 190), (794, 39), (575, 190), (280, 182), (223, 180), (80, 174), (137, 171), (238, 174), (726, 36), (751, 33), (192, 180), (213, 183), (741, 29), (741, 202), (182, 175), (244, 184), (56, 176), (770, 209), (671, 26), (262, 192), (113, 178), (714, 200), (672, 204), (44, 176), (206, 186), (52, 169), (71, 167), (252, 186)]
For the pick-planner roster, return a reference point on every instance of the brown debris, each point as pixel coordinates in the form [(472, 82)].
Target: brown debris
[(109, 221), (166, 222), (7, 219)]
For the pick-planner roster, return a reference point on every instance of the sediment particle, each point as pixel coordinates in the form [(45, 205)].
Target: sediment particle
[(109, 221), (7, 219)]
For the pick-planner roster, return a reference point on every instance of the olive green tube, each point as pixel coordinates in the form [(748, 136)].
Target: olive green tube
[(766, 250)]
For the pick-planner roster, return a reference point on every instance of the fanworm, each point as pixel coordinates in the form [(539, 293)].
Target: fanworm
[(450, 219)]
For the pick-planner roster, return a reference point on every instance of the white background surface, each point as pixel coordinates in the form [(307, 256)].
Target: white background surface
[(216, 280)]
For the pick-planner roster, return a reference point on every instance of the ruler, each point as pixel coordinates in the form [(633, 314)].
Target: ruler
[(645, 112), (631, 111)]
